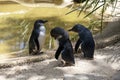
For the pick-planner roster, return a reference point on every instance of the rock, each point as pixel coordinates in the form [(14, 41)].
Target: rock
[(116, 76), (69, 77)]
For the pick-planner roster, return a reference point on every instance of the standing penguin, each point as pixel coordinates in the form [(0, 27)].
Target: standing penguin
[(65, 47), (86, 41), (37, 37)]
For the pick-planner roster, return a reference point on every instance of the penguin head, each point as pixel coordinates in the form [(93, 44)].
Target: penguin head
[(39, 23), (57, 33), (77, 28)]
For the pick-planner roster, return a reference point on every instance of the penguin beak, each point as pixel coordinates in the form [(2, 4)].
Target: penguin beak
[(70, 30), (45, 21)]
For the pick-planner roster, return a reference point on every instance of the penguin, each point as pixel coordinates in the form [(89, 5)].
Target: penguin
[(65, 47), (37, 37), (85, 39)]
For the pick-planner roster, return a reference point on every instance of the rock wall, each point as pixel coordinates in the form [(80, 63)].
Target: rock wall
[(109, 35)]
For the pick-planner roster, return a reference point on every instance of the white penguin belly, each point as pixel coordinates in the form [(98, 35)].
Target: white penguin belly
[(41, 39)]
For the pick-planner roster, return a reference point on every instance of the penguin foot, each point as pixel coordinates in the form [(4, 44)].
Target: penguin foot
[(39, 53), (33, 53), (68, 64), (61, 62), (65, 64), (36, 53)]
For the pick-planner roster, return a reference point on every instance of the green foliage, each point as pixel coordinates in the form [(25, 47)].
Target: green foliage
[(94, 5)]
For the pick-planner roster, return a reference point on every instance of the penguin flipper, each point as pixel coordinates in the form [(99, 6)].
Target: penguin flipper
[(77, 44), (37, 43), (31, 44), (60, 48)]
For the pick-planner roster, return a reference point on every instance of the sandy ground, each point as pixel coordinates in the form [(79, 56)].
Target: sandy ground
[(105, 66)]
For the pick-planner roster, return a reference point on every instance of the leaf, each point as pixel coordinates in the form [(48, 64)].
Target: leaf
[(93, 10), (83, 7), (89, 5), (103, 9), (114, 6), (96, 3), (72, 11)]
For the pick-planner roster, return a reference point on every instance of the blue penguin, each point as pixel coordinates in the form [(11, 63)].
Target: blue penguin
[(37, 37), (65, 47), (85, 39)]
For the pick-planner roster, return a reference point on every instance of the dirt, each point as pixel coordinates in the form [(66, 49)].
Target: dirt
[(105, 66)]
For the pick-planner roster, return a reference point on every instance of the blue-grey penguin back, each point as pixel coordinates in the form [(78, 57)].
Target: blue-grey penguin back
[(85, 39), (65, 47)]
